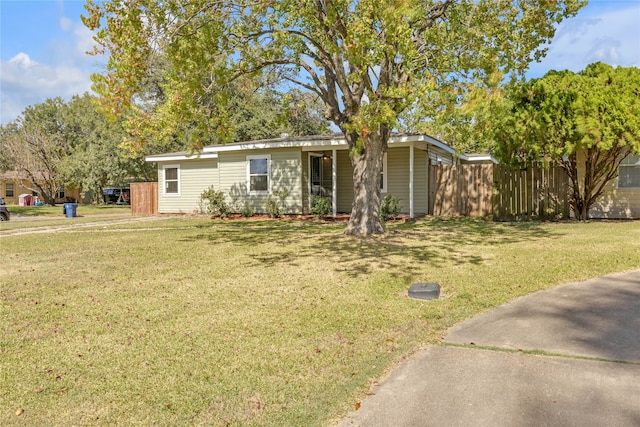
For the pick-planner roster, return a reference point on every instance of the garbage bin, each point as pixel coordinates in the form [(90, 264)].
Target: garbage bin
[(70, 209)]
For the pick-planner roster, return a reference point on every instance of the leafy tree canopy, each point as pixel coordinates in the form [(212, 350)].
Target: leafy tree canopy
[(265, 113), (34, 146), (96, 158), (588, 120), (59, 144), (367, 60)]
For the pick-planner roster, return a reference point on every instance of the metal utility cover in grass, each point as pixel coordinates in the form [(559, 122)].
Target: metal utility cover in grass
[(424, 291)]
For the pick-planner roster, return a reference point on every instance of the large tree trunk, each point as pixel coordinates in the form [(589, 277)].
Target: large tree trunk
[(580, 209), (600, 167), (578, 197), (367, 167)]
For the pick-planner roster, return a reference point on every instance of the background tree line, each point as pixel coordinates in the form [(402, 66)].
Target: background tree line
[(552, 120), (75, 144), (586, 123), (367, 61)]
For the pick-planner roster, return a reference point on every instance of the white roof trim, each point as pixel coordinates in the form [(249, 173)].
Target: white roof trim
[(309, 144), (478, 158), (178, 156), (422, 138), (289, 143)]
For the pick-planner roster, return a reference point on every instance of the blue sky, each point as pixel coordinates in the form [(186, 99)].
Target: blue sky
[(43, 45)]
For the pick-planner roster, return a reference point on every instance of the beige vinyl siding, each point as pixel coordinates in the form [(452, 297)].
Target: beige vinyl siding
[(285, 169), (615, 203), (420, 187), (304, 161), (436, 153), (195, 177), (398, 178), (344, 174)]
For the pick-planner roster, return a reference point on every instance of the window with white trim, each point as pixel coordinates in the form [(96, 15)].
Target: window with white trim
[(60, 193), (383, 174), (171, 178), (9, 191), (629, 172), (259, 173)]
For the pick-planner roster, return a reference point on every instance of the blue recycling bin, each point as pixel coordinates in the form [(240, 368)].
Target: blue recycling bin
[(70, 209)]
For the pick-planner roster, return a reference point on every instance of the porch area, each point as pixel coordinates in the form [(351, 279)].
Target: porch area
[(328, 174)]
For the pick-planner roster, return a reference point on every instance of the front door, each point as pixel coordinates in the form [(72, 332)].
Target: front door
[(315, 166), (320, 175)]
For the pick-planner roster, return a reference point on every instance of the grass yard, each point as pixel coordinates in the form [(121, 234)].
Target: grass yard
[(255, 323), (45, 216), (56, 211)]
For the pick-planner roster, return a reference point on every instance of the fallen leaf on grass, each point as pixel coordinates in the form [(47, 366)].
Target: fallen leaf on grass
[(20, 411), (357, 405), (38, 390)]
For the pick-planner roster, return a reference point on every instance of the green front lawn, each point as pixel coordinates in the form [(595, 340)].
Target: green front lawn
[(38, 217), (56, 211), (284, 323)]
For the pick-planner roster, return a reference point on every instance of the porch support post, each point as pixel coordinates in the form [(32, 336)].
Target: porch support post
[(334, 182), (411, 211)]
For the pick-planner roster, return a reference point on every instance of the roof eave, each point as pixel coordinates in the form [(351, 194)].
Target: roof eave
[(478, 158), (170, 157)]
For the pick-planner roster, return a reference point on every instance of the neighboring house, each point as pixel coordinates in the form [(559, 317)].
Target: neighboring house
[(14, 184), (249, 172), (621, 198)]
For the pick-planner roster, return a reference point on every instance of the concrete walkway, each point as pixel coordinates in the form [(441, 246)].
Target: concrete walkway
[(569, 356)]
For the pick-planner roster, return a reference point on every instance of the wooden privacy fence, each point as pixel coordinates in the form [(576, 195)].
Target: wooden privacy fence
[(144, 198), (460, 190), (498, 191), (530, 193)]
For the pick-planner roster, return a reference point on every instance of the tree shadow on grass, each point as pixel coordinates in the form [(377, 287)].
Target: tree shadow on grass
[(405, 247), (466, 230)]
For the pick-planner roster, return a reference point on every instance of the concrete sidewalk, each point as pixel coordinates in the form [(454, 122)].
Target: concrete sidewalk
[(585, 370)]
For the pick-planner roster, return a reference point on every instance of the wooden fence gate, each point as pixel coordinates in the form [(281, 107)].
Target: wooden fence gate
[(460, 190), (144, 198), (498, 191)]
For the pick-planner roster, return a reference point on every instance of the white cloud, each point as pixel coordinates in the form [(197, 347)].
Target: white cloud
[(25, 82), (611, 36), (84, 40), (22, 60), (65, 24), (64, 72), (605, 49)]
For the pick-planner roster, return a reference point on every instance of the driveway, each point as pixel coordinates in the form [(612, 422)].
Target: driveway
[(569, 356)]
